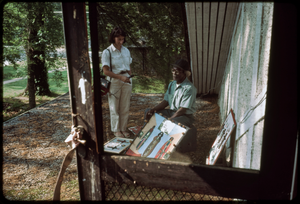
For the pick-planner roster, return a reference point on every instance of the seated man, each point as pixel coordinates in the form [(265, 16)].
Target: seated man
[(180, 96)]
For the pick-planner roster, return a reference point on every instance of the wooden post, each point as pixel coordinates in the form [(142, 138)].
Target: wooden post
[(281, 119), (81, 95)]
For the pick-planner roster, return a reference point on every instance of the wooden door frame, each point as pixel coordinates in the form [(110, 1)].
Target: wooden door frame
[(274, 179)]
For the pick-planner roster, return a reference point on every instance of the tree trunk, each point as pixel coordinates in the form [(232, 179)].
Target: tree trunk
[(31, 88), (37, 70), (41, 73), (30, 80)]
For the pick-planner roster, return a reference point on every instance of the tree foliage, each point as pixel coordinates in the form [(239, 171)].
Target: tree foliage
[(33, 27), (159, 25), (18, 17)]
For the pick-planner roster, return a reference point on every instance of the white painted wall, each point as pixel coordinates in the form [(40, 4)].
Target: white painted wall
[(244, 82)]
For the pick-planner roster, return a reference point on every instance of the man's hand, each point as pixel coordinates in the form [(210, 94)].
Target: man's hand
[(149, 114), (162, 105)]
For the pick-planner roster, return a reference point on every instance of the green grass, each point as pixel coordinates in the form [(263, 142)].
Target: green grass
[(143, 84), (15, 104), (69, 192), (64, 88), (9, 72), (16, 88)]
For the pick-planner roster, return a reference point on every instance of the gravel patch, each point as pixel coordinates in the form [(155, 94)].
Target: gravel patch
[(34, 147)]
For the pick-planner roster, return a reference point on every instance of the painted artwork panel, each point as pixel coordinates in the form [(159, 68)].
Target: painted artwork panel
[(166, 126), (222, 137), (135, 130), (157, 138), (117, 145)]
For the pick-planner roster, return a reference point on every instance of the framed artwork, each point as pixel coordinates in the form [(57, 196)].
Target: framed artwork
[(117, 145), (222, 137), (135, 130), (157, 139)]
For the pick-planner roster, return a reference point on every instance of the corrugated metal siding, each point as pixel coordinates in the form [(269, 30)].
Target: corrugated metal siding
[(210, 27)]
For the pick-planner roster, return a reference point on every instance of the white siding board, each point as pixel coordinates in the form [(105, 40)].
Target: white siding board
[(199, 19), (222, 6), (227, 33), (206, 8), (190, 11), (211, 50)]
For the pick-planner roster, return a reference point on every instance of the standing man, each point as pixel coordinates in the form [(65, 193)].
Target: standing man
[(180, 96)]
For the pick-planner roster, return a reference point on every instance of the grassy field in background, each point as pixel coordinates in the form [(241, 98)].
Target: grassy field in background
[(141, 84), (14, 103), (15, 88)]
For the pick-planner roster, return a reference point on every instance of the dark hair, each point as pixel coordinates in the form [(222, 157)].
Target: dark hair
[(116, 32)]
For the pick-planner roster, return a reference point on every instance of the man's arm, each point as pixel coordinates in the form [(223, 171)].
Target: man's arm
[(179, 112), (162, 105)]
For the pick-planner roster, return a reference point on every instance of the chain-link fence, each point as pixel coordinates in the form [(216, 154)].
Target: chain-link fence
[(121, 191)]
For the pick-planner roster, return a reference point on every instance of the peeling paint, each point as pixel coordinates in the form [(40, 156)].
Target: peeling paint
[(93, 178), (81, 85), (74, 13)]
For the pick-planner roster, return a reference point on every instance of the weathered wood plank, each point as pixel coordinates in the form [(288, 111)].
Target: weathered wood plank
[(281, 126), (202, 179), (199, 45), (81, 97), (221, 16), (190, 12), (226, 39), (211, 45), (96, 76)]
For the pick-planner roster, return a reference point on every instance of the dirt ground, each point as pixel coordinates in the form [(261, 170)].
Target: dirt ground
[(34, 147)]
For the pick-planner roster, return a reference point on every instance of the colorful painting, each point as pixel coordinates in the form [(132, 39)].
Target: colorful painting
[(222, 137), (135, 130), (157, 139), (117, 145)]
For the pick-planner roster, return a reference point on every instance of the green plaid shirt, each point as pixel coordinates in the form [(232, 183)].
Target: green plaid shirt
[(183, 96)]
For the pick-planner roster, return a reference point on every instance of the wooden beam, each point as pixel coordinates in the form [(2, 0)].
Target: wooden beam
[(97, 100), (281, 118), (181, 176), (81, 96)]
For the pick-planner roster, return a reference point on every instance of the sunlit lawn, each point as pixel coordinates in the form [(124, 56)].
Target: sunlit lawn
[(15, 88), (14, 103)]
